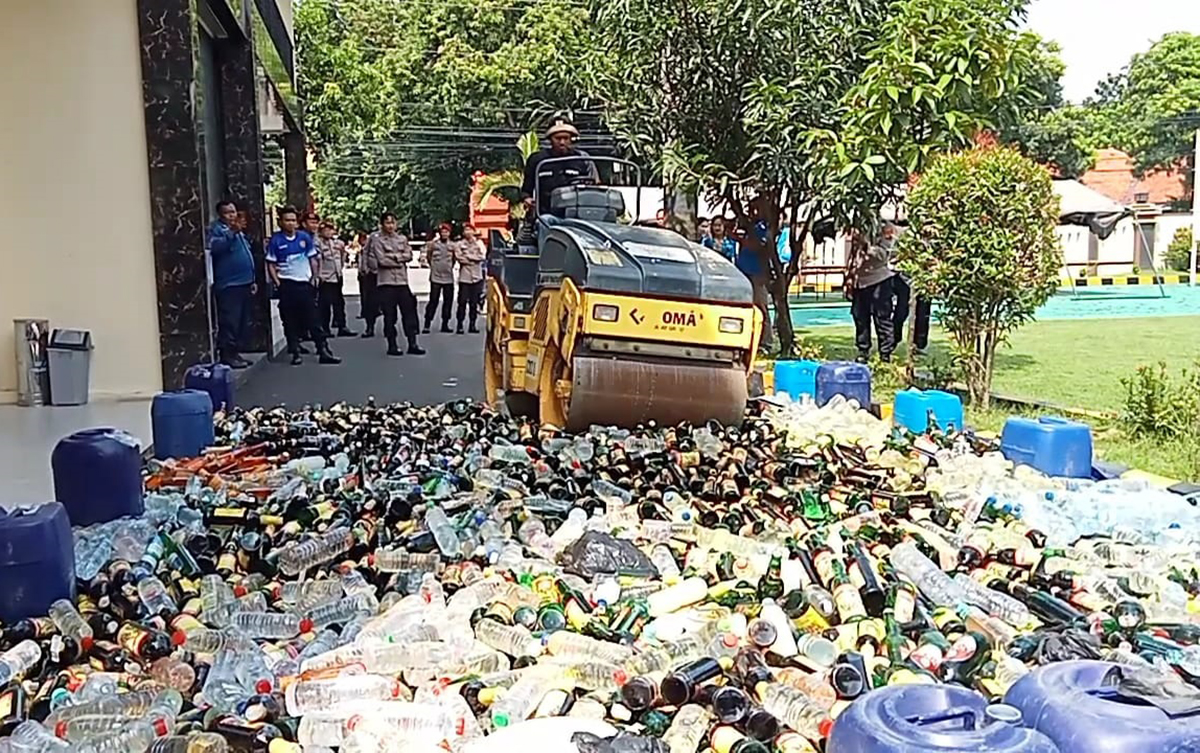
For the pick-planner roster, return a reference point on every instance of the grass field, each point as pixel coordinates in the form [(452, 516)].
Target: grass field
[(1079, 364)]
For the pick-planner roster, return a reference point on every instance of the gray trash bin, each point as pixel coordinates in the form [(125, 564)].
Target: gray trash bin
[(70, 352)]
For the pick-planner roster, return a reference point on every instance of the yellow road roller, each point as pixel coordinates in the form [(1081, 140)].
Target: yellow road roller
[(595, 321)]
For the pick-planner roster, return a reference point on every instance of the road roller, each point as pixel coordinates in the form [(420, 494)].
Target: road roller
[(592, 320)]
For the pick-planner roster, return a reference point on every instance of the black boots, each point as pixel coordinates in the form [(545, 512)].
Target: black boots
[(459, 331), (393, 348), (415, 349), (327, 356), (344, 332), (446, 326), (370, 331)]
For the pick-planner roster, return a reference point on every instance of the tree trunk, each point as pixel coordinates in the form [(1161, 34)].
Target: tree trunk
[(783, 316), (682, 207)]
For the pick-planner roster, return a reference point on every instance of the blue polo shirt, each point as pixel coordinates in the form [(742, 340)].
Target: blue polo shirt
[(291, 255)]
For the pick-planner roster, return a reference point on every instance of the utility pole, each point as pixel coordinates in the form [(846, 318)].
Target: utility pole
[(1192, 275)]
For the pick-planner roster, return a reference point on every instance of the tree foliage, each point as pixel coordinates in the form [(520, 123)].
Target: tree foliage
[(721, 95), (981, 241), (404, 101), (943, 72)]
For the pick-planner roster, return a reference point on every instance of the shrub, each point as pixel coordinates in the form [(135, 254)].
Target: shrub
[(1161, 407), (981, 242), (1179, 253)]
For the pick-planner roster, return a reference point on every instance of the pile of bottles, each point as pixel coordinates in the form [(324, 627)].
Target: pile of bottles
[(379, 578)]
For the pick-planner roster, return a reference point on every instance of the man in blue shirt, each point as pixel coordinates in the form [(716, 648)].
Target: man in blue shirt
[(292, 266), (233, 282)]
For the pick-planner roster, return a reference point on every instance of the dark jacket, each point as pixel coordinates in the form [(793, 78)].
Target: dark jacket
[(555, 175)]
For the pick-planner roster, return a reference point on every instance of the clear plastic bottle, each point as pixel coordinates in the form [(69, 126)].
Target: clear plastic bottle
[(70, 623), (313, 695), (513, 640), (293, 592), (355, 583), (207, 641), (570, 530), (664, 561), (344, 610), (519, 701), (31, 737), (396, 560), (296, 558), (566, 644), (197, 742), (930, 579), (443, 531), (996, 604), (18, 659), (510, 453), (610, 493), (130, 704), (595, 675), (664, 656), (687, 729), (155, 598), (532, 534), (214, 592), (271, 624), (794, 709)]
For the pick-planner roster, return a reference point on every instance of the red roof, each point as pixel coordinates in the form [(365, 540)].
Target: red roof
[(1113, 176)]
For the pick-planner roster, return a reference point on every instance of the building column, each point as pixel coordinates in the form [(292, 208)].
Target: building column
[(295, 161), (244, 170), (168, 44)]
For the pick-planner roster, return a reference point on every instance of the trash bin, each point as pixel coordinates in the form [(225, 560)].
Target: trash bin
[(70, 352), (33, 382)]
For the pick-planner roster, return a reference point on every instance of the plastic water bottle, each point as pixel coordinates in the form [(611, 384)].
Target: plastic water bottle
[(196, 742), (443, 531), (312, 695), (340, 612), (296, 558), (532, 534), (687, 729), (31, 736), (215, 593), (610, 493), (513, 640), (155, 598), (570, 530), (271, 624), (582, 647), (794, 709), (18, 660), (395, 560), (519, 701), (510, 453), (70, 623)]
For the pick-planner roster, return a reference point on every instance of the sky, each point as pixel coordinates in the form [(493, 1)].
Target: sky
[(1099, 36)]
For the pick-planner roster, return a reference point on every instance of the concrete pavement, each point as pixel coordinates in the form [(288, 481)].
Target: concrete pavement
[(452, 368)]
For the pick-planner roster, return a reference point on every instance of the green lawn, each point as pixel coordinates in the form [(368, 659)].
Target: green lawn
[(1079, 364)]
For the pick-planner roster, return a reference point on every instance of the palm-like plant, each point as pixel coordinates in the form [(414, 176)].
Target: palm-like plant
[(489, 184)]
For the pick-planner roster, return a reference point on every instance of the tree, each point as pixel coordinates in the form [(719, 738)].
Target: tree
[(720, 95), (1047, 129), (981, 241), (405, 101), (944, 72), (1158, 100)]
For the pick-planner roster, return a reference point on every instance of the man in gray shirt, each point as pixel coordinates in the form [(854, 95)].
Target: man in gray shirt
[(438, 254), (868, 283)]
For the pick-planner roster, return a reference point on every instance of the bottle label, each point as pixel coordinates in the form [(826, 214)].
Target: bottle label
[(927, 656), (228, 514), (963, 649), (905, 606), (823, 562), (849, 602), (131, 637), (811, 621), (227, 561)]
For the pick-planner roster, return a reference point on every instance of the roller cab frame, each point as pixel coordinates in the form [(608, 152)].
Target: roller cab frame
[(601, 322)]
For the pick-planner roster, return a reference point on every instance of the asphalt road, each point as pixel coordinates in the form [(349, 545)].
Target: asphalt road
[(451, 369)]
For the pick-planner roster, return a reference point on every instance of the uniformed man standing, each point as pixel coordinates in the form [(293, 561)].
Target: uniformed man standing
[(390, 254), (438, 254)]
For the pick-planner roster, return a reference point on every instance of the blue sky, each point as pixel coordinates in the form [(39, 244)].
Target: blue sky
[(1099, 36)]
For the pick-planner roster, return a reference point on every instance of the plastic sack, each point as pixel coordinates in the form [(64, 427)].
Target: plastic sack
[(597, 553)]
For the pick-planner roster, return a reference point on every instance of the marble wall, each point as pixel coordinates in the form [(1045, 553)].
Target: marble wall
[(295, 163), (168, 42), (244, 168)]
